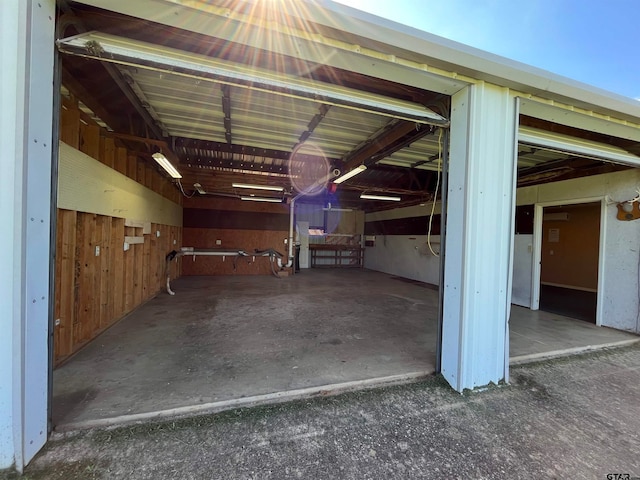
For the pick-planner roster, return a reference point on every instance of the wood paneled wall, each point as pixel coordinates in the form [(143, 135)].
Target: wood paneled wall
[(94, 289), (237, 225)]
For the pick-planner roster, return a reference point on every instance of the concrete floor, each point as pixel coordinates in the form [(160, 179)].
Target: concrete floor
[(575, 417), (229, 341)]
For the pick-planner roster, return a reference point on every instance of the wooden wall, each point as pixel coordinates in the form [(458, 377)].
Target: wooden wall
[(239, 225), (570, 248), (94, 289)]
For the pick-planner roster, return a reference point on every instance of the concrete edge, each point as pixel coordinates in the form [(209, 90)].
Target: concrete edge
[(533, 357), (60, 431)]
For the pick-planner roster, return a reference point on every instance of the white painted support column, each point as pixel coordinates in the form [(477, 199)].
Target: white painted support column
[(479, 238), (26, 95)]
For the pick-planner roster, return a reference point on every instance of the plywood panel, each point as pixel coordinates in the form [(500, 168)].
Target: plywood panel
[(132, 166), (70, 126), (231, 204), (120, 162), (247, 240), (108, 151), (147, 287), (106, 284), (129, 265), (117, 266), (141, 172), (66, 292), (85, 279), (138, 274), (90, 140)]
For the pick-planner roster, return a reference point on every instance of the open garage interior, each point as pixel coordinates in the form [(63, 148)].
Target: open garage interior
[(294, 208)]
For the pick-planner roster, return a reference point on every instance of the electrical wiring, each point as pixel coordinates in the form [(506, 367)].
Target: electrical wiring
[(182, 189), (435, 195)]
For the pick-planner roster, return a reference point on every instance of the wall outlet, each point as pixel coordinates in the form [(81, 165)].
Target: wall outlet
[(126, 246), (158, 233), (218, 242), (97, 250)]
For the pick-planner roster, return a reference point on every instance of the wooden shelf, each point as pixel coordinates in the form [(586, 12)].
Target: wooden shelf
[(336, 256)]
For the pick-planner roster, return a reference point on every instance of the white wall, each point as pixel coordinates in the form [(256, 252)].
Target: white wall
[(397, 255), (522, 270), (86, 185), (406, 256), (622, 241)]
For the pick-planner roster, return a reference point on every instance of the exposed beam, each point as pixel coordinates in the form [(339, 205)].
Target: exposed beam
[(135, 138), (189, 150), (226, 110), (117, 77), (315, 121), (394, 131), (78, 90)]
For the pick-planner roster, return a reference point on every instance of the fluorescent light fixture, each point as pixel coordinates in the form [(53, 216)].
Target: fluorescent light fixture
[(380, 197), (111, 48), (262, 199), (166, 164), (257, 187), (199, 188), (351, 173)]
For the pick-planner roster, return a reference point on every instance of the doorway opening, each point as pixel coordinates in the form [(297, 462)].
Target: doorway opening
[(569, 259)]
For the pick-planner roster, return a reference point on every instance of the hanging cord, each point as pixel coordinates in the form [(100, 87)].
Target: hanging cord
[(435, 195), (182, 189)]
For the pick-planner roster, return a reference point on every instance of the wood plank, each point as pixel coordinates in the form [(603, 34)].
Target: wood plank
[(157, 181), (141, 172), (106, 285), (65, 292), (85, 271), (70, 126), (148, 175), (108, 151), (120, 161), (132, 167), (129, 265), (147, 288), (158, 256), (90, 140), (98, 279), (116, 255), (133, 240), (138, 278)]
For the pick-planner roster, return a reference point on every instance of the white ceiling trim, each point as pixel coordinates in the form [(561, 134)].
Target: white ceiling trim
[(578, 146), (125, 51)]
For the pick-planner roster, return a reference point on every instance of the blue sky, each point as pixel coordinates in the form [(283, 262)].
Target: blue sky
[(595, 42)]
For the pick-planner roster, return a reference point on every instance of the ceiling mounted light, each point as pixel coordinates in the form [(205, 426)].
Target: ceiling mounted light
[(350, 173), (262, 199), (166, 164), (364, 196), (257, 187)]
